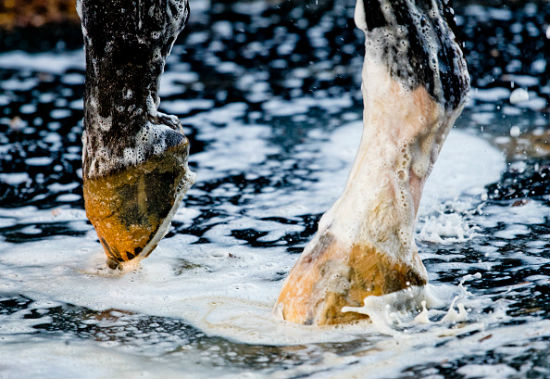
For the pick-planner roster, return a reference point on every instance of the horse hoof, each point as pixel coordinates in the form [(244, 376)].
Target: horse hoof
[(131, 209)]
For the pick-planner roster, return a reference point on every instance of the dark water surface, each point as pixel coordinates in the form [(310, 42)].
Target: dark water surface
[(269, 95)]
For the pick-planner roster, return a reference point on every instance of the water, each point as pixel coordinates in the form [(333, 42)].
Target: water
[(269, 95)]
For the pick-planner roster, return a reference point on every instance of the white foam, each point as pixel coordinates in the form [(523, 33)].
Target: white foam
[(15, 84), (175, 82), (14, 179), (446, 229), (185, 106), (466, 164), (519, 95), (278, 107), (43, 62), (396, 355), (491, 94), (39, 161), (232, 290), (487, 371), (36, 358)]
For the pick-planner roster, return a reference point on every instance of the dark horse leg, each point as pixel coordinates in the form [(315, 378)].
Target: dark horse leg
[(134, 157)]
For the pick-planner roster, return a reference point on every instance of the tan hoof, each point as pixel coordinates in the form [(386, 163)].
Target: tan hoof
[(131, 209), (331, 275)]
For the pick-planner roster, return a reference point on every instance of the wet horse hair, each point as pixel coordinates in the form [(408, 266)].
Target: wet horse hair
[(427, 27)]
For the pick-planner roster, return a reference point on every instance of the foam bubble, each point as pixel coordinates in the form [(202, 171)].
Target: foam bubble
[(519, 95), (446, 229)]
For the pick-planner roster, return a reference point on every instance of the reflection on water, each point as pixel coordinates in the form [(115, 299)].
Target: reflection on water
[(268, 93)]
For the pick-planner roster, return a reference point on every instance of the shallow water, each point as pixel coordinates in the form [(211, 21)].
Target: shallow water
[(269, 95)]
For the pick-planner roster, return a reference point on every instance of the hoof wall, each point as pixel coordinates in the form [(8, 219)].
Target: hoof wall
[(132, 208), (330, 276)]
